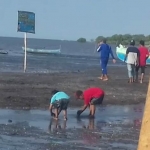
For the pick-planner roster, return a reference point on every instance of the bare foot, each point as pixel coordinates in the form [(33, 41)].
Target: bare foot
[(101, 78), (105, 79), (55, 118), (141, 81), (65, 118)]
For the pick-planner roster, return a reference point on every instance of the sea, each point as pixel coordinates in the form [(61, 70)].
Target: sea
[(74, 56)]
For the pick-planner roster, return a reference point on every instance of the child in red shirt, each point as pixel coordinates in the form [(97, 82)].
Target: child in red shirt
[(144, 54), (91, 96)]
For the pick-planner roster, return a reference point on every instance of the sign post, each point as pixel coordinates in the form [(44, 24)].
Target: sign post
[(26, 24), (25, 51)]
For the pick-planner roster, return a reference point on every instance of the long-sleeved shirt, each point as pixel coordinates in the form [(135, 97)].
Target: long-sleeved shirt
[(105, 50)]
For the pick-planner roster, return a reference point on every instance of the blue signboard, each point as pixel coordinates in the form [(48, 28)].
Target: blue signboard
[(26, 22)]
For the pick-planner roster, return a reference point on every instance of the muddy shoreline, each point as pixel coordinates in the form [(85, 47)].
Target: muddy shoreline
[(36, 130), (30, 90)]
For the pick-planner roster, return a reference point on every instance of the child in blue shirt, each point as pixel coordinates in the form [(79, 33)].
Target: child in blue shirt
[(59, 101)]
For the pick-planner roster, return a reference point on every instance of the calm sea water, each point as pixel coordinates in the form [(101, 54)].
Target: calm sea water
[(74, 56)]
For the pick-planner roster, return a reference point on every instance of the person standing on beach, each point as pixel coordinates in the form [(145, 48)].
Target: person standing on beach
[(59, 102), (144, 54), (91, 97), (105, 50), (132, 57)]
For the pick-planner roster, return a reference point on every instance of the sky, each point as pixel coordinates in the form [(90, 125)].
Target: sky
[(72, 19)]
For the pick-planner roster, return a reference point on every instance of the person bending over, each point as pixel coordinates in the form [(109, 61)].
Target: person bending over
[(92, 97), (59, 102)]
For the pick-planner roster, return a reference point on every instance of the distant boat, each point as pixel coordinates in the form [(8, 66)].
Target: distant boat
[(121, 52), (3, 51), (44, 51)]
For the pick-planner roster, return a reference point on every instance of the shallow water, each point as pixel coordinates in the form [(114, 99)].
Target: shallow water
[(115, 127), (51, 63), (74, 56)]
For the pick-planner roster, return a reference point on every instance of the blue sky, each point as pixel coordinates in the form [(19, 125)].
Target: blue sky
[(71, 19)]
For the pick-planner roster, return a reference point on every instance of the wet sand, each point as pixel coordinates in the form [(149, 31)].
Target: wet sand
[(116, 126), (35, 130), (118, 120), (30, 90)]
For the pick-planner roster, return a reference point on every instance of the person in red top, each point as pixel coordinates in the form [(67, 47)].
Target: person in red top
[(144, 54), (91, 96)]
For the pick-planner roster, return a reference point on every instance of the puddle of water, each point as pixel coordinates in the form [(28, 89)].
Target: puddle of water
[(110, 123), (131, 114), (122, 145)]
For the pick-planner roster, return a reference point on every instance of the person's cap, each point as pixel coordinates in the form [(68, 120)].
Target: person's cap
[(132, 42)]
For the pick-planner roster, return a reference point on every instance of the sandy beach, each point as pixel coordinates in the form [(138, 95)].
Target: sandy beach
[(59, 45), (30, 90), (116, 126), (25, 122)]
